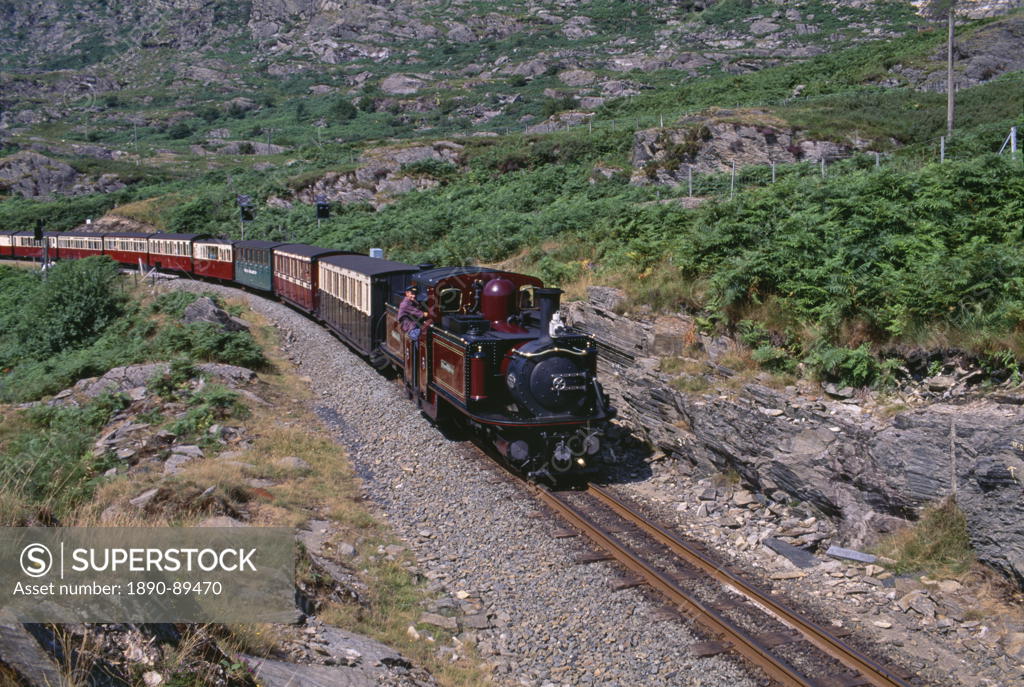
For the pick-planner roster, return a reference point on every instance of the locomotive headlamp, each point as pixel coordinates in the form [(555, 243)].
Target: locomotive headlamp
[(561, 459)]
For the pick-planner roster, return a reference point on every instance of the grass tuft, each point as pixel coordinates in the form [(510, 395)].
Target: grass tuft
[(938, 544)]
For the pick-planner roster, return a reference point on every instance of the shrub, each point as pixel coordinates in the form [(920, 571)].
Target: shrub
[(206, 407), (172, 381), (51, 465), (173, 303), (179, 130), (854, 367), (209, 342), (774, 359), (553, 106), (343, 110), (67, 310)]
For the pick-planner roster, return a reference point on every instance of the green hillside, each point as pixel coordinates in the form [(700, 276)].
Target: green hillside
[(840, 269)]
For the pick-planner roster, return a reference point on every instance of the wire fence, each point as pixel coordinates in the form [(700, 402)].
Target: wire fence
[(719, 184), (593, 122)]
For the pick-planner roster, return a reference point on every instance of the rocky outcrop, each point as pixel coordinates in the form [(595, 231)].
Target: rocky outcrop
[(869, 474), (982, 55), (32, 175), (205, 310), (977, 9), (383, 173), (716, 142)]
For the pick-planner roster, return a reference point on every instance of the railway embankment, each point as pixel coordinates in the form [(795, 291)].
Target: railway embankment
[(216, 445), (870, 465)]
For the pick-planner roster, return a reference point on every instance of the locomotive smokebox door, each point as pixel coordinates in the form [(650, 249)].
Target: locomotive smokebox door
[(549, 381)]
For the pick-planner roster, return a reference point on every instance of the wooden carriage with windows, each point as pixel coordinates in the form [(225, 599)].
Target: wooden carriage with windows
[(254, 264), (354, 291), (72, 246), (214, 258), (296, 275), (24, 245), (127, 249), (172, 252), (6, 244)]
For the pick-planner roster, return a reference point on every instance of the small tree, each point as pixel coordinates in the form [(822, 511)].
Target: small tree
[(344, 110)]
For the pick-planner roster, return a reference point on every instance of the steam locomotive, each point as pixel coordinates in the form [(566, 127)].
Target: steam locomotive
[(492, 352)]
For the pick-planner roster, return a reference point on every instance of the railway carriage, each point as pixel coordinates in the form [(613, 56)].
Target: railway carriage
[(214, 259), (6, 244), (84, 245), (254, 264), (353, 293), (127, 248), (172, 252), (296, 275), (24, 245)]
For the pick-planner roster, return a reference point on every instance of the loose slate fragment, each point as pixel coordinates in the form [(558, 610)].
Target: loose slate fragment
[(774, 639), (798, 557), (627, 583), (596, 557), (850, 555), (841, 681), (703, 649)]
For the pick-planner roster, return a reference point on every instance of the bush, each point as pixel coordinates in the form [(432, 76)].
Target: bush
[(68, 309), (553, 106), (211, 343), (853, 367), (172, 381), (343, 110), (51, 466), (179, 131), (206, 407), (173, 303)]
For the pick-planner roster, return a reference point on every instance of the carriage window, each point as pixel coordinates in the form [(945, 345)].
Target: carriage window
[(527, 300), (451, 300)]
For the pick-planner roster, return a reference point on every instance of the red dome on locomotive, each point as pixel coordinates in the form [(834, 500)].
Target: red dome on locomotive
[(498, 300)]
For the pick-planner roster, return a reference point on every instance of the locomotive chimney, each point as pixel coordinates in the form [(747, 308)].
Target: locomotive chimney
[(547, 301)]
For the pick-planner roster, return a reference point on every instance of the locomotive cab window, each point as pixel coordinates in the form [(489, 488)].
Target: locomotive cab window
[(527, 299), (451, 300)]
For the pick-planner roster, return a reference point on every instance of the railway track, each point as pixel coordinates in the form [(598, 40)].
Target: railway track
[(787, 646)]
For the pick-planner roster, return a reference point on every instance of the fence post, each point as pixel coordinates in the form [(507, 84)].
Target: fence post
[(822, 166), (877, 162), (732, 181), (942, 148), (1013, 143), (689, 179), (773, 171), (661, 119)]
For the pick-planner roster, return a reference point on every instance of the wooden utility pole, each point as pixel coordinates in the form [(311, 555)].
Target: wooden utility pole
[(950, 90)]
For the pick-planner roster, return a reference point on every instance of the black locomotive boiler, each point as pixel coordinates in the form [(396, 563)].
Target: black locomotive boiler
[(492, 352)]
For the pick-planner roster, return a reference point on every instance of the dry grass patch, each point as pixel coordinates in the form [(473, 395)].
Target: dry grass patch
[(938, 544), (149, 211)]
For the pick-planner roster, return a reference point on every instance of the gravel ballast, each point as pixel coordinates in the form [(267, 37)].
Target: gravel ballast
[(540, 617)]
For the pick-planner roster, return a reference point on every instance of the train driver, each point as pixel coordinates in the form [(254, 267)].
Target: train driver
[(410, 313)]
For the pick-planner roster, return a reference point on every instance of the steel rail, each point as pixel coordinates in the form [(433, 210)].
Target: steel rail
[(776, 667), (872, 671)]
